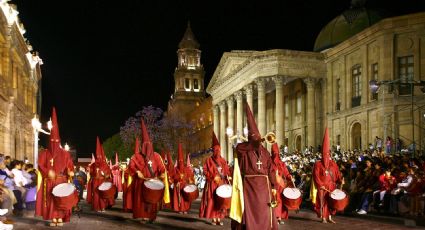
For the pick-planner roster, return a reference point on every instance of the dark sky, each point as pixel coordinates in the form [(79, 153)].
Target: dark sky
[(105, 60)]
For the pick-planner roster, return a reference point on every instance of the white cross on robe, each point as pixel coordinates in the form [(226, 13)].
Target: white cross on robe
[(150, 163), (259, 163)]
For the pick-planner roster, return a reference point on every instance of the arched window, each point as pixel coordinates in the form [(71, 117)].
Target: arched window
[(187, 84), (196, 85)]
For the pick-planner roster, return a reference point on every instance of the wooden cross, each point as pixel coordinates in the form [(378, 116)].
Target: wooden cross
[(150, 163), (51, 162), (259, 163)]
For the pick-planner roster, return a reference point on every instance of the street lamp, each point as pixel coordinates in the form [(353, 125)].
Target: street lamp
[(374, 87), (36, 125), (66, 147)]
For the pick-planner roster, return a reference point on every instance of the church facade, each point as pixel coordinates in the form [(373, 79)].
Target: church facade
[(20, 78), (296, 94)]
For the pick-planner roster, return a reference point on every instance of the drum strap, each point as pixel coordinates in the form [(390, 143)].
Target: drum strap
[(217, 165)]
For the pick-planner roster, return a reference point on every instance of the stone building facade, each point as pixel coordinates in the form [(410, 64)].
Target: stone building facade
[(296, 94), (20, 77)]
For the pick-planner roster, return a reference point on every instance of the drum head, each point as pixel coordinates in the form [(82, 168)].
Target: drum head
[(291, 193), (338, 194), (154, 184), (105, 186), (190, 188), (63, 190), (224, 191)]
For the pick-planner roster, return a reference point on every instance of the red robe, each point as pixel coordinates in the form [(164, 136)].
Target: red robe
[(142, 209), (257, 185), (182, 177), (170, 172), (62, 164), (117, 177), (284, 177), (327, 178), (208, 208), (99, 173)]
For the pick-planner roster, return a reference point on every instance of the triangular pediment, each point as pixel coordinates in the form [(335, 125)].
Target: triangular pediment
[(229, 63)]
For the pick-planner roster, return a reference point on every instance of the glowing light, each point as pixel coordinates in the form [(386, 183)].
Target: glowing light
[(66, 147)]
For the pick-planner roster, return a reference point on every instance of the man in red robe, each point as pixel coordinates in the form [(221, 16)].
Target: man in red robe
[(258, 180), (216, 173), (56, 167), (117, 174), (127, 187), (326, 175), (143, 165), (283, 180), (183, 175), (99, 172)]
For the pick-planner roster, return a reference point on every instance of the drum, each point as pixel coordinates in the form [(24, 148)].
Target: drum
[(107, 190), (152, 191), (190, 192), (65, 196), (338, 200), (292, 198), (223, 196)]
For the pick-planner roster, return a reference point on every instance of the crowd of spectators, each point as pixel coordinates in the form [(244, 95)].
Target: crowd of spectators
[(377, 179)]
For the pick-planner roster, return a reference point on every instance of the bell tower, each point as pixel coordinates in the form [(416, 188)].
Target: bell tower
[(188, 76)]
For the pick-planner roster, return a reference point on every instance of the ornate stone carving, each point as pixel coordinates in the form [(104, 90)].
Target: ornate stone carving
[(239, 96), (261, 83), (222, 105), (248, 90), (230, 101), (278, 80), (310, 82)]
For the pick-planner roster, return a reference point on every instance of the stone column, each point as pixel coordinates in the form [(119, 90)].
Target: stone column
[(231, 124), (280, 124), (261, 86), (311, 111), (223, 143), (216, 120), (249, 95), (239, 112)]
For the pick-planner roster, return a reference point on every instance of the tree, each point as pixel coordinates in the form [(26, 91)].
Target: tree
[(131, 128), (114, 145)]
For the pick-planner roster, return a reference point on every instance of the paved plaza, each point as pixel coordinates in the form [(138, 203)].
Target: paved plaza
[(116, 219)]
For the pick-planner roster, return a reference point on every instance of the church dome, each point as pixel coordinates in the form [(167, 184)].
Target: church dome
[(349, 23)]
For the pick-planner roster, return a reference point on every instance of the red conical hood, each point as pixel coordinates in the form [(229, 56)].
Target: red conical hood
[(326, 149), (254, 135), (170, 160), (147, 148), (54, 133), (99, 150), (116, 159), (188, 159), (180, 159), (136, 146), (144, 132), (163, 154), (215, 140), (216, 147), (275, 152)]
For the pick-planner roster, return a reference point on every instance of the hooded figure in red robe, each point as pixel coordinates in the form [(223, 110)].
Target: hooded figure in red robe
[(99, 172), (283, 180), (143, 165), (56, 167), (128, 182), (183, 175), (117, 174), (216, 173), (258, 180), (326, 175)]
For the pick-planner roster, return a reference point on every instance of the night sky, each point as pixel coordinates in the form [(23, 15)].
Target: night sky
[(105, 60)]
